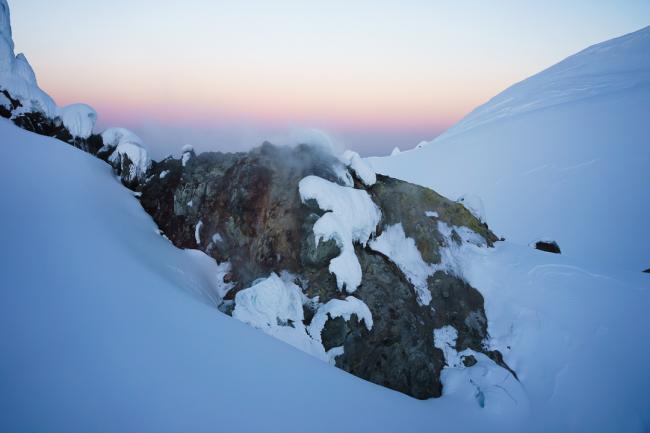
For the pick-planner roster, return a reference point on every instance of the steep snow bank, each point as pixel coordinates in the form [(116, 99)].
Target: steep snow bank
[(563, 154)]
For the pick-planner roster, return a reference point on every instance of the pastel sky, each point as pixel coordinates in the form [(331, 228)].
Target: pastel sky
[(226, 75)]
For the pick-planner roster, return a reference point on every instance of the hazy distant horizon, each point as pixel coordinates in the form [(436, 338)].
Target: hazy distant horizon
[(227, 76)]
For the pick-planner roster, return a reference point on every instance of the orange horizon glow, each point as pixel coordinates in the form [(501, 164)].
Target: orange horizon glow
[(410, 69)]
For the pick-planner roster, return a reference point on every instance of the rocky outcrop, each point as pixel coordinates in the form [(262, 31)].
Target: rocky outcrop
[(246, 209), (547, 246)]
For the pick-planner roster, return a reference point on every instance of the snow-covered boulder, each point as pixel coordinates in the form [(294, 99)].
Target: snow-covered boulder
[(187, 152), (127, 155), (547, 245), (79, 119), (112, 137)]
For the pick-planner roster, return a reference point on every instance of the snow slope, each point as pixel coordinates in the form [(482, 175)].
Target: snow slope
[(561, 155), (106, 327)]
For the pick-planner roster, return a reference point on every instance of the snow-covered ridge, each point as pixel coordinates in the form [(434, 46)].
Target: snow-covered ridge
[(608, 67), (563, 154)]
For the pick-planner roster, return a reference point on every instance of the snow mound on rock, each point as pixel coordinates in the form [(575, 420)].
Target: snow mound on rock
[(339, 308), (187, 152), (79, 119), (274, 305), (360, 167), (268, 302), (112, 137), (127, 145), (351, 217)]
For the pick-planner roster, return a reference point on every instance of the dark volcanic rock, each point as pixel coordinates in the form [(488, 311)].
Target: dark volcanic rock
[(14, 104), (245, 208), (548, 246)]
